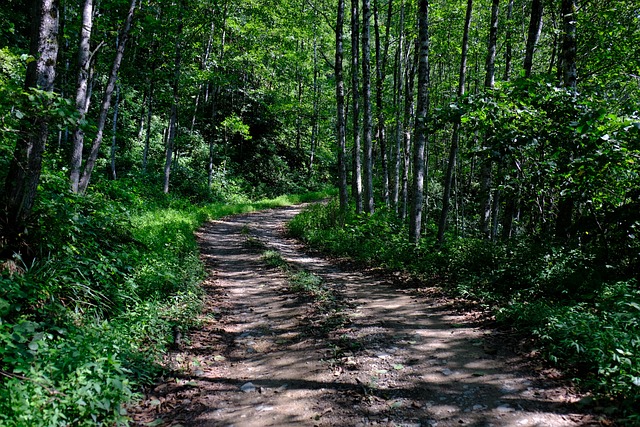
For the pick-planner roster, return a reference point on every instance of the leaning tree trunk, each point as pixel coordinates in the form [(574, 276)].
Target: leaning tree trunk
[(82, 94), (455, 137), (340, 120), (25, 168), (366, 100), (415, 220), (106, 102)]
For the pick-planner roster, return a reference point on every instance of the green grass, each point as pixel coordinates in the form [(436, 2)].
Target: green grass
[(89, 320)]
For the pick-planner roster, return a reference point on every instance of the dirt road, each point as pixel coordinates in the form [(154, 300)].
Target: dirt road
[(371, 354)]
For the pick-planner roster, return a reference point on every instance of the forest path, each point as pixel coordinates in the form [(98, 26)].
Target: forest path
[(377, 354)]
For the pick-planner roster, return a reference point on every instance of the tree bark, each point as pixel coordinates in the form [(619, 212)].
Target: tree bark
[(366, 100), (106, 102), (355, 83), (533, 35), (489, 83), (114, 136), (415, 226), (569, 81), (24, 170), (399, 73), (173, 118), (508, 54), (82, 94), (340, 119), (455, 137)]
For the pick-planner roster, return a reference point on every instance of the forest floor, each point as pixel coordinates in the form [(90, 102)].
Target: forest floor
[(380, 351)]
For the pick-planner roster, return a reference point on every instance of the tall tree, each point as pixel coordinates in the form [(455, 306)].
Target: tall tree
[(340, 120), (489, 83), (355, 91), (455, 136), (422, 107), (82, 93), (366, 101), (26, 165), (173, 118), (533, 35), (106, 102), (570, 82)]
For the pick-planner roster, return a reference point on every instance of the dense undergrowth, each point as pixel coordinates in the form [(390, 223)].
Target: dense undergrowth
[(95, 297), (582, 308)]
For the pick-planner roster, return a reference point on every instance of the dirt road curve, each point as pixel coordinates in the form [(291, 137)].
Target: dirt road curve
[(377, 355)]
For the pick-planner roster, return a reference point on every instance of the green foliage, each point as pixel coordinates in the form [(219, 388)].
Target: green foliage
[(583, 317), (88, 310)]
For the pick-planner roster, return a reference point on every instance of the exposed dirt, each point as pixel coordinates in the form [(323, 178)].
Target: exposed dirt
[(376, 353)]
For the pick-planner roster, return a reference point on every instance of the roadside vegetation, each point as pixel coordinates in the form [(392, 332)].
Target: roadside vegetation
[(583, 311), (89, 310)]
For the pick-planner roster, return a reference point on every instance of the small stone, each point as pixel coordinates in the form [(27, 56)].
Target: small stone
[(248, 387), (446, 372), (504, 408)]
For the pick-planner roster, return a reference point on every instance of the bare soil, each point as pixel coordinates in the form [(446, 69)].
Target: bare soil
[(380, 351)]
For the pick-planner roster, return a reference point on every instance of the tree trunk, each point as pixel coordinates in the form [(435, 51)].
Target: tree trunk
[(408, 117), (455, 137), (508, 54), (422, 107), (533, 35), (340, 120), (366, 99), (82, 94), (569, 80), (381, 59), (173, 119), (355, 83), (399, 73), (106, 102), (114, 137), (147, 138), (489, 83), (490, 67), (25, 168)]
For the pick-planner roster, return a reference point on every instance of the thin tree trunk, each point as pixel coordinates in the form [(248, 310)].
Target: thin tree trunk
[(114, 137), (106, 102), (399, 72), (173, 119), (355, 83), (340, 120), (569, 80), (26, 165), (316, 107), (147, 138), (489, 82), (82, 94), (415, 226), (380, 75), (533, 35), (508, 55), (455, 137), (408, 117), (366, 99)]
